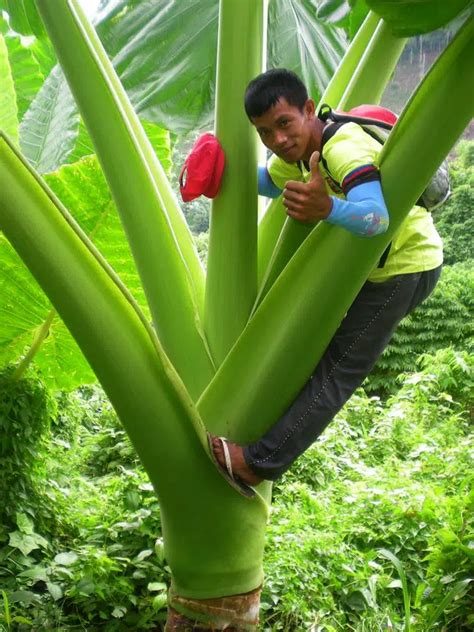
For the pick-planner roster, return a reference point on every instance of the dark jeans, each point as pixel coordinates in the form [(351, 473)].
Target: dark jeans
[(357, 344)]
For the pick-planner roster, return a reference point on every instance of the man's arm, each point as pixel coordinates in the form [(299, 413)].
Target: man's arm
[(363, 212), (266, 186)]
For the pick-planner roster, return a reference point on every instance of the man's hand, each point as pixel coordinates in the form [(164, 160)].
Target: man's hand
[(308, 201)]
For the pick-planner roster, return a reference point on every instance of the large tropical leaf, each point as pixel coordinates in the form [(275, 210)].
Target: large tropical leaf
[(412, 17), (165, 54), (31, 61), (49, 129), (344, 13), (23, 16), (23, 310), (8, 108), (23, 306), (299, 41)]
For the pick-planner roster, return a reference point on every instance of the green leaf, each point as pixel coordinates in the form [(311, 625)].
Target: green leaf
[(30, 62), (54, 590), (119, 611), (24, 523), (6, 608), (66, 559), (413, 17), (23, 309), (165, 56), (25, 542), (334, 11), (23, 596), (83, 189), (8, 107), (23, 16), (299, 41), (358, 14), (458, 589), (37, 573), (160, 602), (49, 128), (157, 587), (404, 584)]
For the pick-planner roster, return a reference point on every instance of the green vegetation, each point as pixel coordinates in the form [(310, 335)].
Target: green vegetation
[(455, 219), (445, 319), (166, 356), (393, 476)]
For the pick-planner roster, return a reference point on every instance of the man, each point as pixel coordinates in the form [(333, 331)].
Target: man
[(278, 106)]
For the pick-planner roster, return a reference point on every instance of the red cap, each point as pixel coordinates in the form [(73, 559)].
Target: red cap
[(202, 170)]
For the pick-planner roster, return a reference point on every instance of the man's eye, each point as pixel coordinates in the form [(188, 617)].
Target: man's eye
[(284, 123)]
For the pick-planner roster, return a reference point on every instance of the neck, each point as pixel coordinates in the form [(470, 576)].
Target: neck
[(315, 140)]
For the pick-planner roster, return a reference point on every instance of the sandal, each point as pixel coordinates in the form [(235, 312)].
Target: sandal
[(227, 472)]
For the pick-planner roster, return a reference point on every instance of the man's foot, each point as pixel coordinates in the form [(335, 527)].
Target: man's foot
[(235, 454)]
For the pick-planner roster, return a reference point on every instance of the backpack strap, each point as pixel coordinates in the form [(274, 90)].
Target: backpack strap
[(328, 133), (326, 114)]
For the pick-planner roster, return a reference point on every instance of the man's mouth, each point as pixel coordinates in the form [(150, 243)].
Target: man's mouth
[(287, 150)]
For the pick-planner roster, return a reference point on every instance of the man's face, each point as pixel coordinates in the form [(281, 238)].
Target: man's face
[(287, 131)]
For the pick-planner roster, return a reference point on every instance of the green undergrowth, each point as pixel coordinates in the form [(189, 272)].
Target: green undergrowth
[(445, 319), (386, 476)]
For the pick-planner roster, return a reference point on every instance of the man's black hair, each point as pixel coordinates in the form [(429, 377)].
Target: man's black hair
[(264, 91)]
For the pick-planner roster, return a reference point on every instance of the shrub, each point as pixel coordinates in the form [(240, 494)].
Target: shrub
[(455, 219), (26, 410), (445, 319)]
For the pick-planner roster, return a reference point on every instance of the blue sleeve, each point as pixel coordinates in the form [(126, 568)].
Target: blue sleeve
[(266, 186), (363, 212)]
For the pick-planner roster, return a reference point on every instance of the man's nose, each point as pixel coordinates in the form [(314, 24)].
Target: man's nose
[(279, 138)]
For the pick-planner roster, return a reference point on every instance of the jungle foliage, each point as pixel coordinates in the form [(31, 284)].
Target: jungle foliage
[(392, 475)]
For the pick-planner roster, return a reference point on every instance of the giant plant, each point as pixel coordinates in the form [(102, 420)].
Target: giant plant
[(216, 353)]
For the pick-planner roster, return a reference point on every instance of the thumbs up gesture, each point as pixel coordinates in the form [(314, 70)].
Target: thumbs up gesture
[(308, 201)]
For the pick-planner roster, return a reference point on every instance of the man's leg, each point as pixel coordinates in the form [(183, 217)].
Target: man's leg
[(360, 340)]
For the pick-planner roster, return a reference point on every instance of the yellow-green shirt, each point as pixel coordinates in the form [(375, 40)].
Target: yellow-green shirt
[(416, 246)]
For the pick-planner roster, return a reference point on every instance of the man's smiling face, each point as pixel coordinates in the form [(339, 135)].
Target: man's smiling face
[(288, 131)]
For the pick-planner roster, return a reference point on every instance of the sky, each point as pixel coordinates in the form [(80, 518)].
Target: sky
[(89, 6)]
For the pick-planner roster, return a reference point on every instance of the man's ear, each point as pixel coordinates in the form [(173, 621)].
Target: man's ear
[(309, 109)]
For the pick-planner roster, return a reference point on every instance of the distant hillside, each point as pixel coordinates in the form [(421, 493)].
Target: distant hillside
[(417, 58)]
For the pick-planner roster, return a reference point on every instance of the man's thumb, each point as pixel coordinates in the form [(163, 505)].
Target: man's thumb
[(313, 164)]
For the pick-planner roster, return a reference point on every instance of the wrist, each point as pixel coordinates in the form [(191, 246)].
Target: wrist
[(328, 207)]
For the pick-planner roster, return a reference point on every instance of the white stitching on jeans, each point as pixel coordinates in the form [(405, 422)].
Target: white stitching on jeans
[(324, 384)]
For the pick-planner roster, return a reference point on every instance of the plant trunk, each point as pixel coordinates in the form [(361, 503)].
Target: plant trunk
[(235, 613)]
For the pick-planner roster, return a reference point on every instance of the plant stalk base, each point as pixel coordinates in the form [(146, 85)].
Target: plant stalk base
[(235, 613)]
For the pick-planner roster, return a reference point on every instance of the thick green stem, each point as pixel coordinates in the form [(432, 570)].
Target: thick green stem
[(231, 284), (375, 69), (133, 173), (41, 334), (213, 537), (291, 237), (269, 229), (303, 309), (346, 69)]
